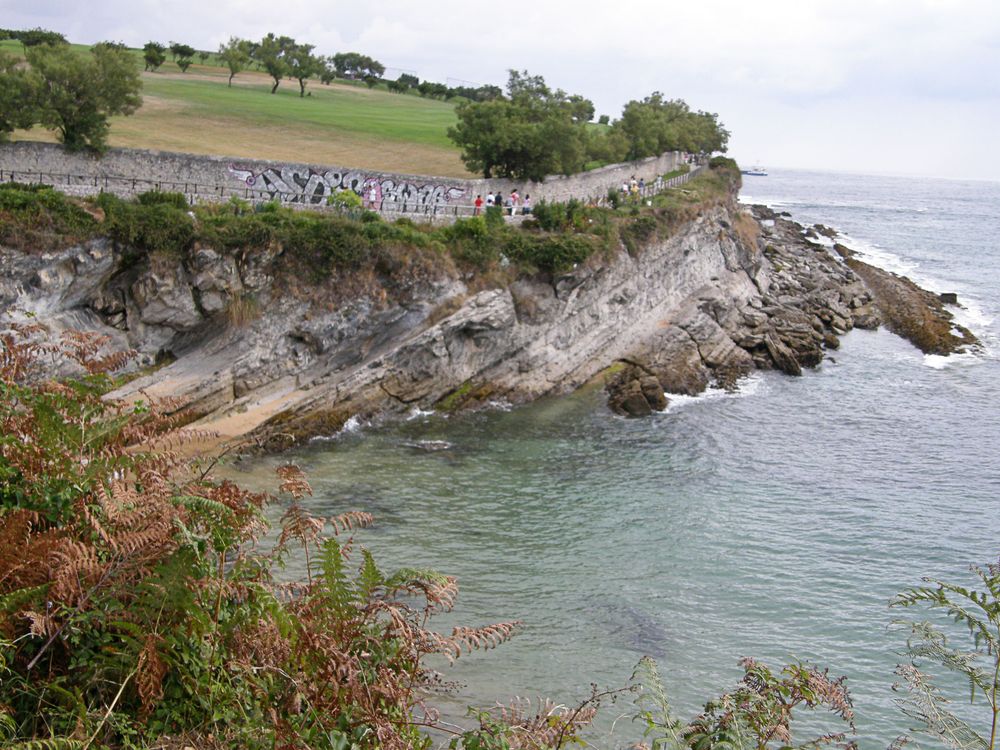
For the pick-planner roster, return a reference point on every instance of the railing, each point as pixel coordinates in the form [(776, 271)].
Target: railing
[(197, 192)]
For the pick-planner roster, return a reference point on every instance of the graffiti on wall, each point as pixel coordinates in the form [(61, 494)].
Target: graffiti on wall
[(297, 185)]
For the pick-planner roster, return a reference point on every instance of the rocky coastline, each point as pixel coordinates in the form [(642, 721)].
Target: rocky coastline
[(251, 359)]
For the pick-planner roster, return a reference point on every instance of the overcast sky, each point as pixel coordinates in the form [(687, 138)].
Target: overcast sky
[(875, 86)]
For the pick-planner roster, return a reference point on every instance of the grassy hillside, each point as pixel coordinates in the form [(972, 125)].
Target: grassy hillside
[(339, 124)]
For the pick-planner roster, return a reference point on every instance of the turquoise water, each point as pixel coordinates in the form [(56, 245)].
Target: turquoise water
[(776, 522)]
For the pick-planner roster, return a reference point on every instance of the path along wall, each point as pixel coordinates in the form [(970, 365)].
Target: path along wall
[(127, 172)]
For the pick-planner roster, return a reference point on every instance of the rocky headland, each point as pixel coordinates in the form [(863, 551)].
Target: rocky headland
[(250, 355)]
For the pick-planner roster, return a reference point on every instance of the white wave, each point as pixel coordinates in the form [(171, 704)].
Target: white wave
[(748, 386), (952, 361), (879, 257), (352, 425), (417, 413), (499, 405)]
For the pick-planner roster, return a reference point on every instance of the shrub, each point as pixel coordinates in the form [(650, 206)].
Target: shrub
[(155, 227), (134, 602), (345, 199), (494, 217), (558, 217), (37, 217), (554, 253), (158, 198), (638, 231)]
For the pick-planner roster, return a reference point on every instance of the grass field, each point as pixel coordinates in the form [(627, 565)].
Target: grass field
[(340, 124)]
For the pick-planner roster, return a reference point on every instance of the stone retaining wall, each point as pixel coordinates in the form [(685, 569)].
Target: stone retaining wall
[(212, 178)]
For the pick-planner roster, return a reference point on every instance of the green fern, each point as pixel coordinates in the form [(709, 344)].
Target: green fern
[(335, 586), (654, 707), (370, 578), (55, 743)]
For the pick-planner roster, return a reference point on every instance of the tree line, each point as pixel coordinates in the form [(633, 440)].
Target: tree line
[(283, 57), (526, 132), (533, 131)]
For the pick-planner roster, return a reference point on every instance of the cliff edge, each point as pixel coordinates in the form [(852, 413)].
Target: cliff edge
[(248, 353)]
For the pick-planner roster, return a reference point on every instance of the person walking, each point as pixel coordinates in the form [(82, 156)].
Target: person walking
[(478, 204)]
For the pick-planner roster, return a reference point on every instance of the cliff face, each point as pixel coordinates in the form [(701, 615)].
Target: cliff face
[(251, 355)]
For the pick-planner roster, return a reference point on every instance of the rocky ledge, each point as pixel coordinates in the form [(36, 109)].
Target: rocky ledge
[(249, 357)]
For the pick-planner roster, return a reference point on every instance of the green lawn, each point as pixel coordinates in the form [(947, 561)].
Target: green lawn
[(343, 124)]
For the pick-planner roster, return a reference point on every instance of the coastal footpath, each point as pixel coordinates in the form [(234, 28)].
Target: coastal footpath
[(731, 290)]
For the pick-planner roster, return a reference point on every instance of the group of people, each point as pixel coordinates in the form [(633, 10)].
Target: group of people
[(513, 204), (633, 188)]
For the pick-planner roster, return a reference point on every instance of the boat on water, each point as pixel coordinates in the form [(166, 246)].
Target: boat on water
[(755, 171)]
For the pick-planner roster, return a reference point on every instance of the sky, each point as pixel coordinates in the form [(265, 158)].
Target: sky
[(869, 86)]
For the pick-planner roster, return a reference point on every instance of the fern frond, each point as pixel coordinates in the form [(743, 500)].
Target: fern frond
[(928, 642), (370, 578), (354, 519), (486, 637), (925, 703), (299, 523), (293, 481), (438, 590), (335, 586), (652, 696), (55, 743)]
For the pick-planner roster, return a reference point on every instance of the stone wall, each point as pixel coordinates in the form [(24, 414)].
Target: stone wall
[(213, 178)]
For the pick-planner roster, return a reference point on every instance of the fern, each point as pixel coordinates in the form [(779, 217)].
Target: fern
[(59, 743), (370, 579), (925, 704), (654, 707), (977, 611), (335, 586)]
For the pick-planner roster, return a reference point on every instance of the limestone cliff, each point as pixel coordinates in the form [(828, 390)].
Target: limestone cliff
[(250, 354)]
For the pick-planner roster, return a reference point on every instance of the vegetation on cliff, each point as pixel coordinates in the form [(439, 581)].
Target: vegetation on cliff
[(317, 244)]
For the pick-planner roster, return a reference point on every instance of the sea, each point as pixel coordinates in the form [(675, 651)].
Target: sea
[(775, 522)]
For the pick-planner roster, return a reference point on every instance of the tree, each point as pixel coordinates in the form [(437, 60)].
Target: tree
[(182, 54), (236, 55), (18, 97), (76, 95), (154, 54), (37, 36), (271, 53), (356, 65), (532, 133), (203, 56), (655, 125), (302, 64)]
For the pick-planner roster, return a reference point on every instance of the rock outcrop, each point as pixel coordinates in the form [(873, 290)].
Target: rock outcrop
[(251, 354)]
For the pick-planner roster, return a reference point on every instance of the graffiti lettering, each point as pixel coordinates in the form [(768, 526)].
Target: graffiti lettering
[(294, 185)]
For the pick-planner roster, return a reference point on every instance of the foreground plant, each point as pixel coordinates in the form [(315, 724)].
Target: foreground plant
[(756, 715), (135, 604), (978, 612)]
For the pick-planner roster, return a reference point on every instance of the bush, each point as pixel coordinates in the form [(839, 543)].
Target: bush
[(37, 217), (558, 217), (158, 198), (345, 199), (471, 241), (554, 253), (637, 232), (134, 602), (154, 227)]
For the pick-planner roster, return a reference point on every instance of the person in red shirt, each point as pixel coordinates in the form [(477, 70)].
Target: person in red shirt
[(479, 205)]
